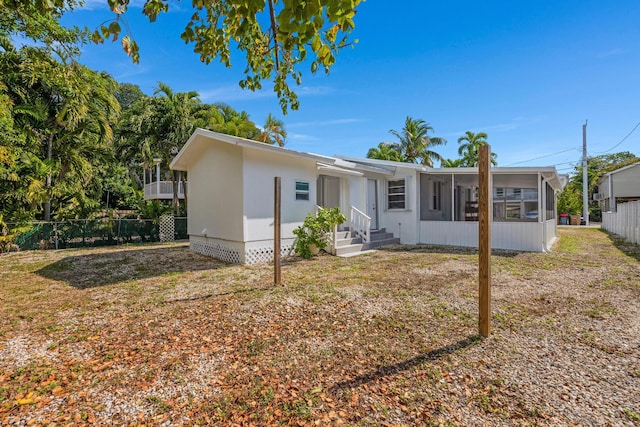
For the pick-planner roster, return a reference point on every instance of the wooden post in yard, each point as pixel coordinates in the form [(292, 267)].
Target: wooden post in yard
[(484, 242), (276, 230)]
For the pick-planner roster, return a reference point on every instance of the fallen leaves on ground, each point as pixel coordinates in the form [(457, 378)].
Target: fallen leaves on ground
[(387, 338)]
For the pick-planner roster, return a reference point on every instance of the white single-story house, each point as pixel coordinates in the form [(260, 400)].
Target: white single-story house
[(231, 199), (618, 186)]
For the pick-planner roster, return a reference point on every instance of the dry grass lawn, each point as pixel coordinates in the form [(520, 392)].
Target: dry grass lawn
[(156, 334)]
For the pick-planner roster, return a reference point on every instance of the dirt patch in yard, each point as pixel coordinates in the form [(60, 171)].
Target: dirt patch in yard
[(157, 334)]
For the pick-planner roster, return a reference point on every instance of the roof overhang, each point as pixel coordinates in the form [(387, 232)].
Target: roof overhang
[(613, 172), (201, 139), (335, 170)]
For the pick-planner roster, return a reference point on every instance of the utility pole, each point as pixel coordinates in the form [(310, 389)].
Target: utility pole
[(585, 176)]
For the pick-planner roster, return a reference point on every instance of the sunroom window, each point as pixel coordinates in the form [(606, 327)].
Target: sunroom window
[(515, 204)]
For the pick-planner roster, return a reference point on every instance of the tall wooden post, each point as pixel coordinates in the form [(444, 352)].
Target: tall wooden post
[(484, 241), (276, 230)]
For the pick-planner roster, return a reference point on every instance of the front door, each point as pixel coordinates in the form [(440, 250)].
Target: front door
[(372, 202)]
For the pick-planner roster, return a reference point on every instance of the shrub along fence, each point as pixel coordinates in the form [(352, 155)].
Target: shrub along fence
[(75, 233), (625, 222)]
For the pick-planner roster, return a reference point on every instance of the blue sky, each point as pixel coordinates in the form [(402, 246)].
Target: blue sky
[(528, 73)]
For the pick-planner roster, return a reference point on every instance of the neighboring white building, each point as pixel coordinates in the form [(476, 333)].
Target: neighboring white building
[(618, 186), (230, 211), (155, 188)]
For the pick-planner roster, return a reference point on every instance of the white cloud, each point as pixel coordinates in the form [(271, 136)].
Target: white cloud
[(515, 123), (313, 90), (613, 52), (301, 137), (232, 93)]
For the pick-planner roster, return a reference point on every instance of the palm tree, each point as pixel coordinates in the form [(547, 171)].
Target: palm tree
[(385, 151), (449, 163), (273, 132), (222, 118), (67, 109), (176, 124), (469, 148), (415, 143)]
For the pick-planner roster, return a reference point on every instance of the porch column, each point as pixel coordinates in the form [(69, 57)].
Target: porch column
[(157, 177), (612, 200), (453, 198), (542, 210), (539, 197)]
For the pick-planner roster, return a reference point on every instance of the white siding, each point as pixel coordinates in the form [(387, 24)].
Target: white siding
[(550, 233), (215, 194), (260, 168), (450, 233), (402, 223), (521, 236), (625, 222), (627, 182)]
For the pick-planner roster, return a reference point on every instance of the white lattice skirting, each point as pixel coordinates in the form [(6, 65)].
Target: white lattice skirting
[(238, 252), (167, 228)]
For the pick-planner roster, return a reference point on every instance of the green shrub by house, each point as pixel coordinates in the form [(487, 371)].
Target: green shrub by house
[(315, 231)]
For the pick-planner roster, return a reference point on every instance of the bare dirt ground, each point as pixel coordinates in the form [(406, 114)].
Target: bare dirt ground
[(158, 335)]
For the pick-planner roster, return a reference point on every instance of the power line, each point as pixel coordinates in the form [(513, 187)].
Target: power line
[(542, 157), (621, 141)]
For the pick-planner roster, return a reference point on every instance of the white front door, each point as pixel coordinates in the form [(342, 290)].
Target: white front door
[(372, 202)]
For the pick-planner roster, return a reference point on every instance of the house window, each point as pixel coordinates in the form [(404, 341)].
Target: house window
[(437, 196), (302, 190), (396, 198), (551, 203), (515, 204)]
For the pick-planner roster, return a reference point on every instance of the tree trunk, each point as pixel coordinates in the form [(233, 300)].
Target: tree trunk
[(47, 204), (136, 178)]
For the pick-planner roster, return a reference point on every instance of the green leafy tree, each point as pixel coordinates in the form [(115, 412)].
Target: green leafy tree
[(570, 199), (449, 163), (469, 148), (223, 118), (385, 151), (157, 127), (177, 126), (415, 143), (65, 113), (273, 131), (277, 37), (128, 94), (133, 138)]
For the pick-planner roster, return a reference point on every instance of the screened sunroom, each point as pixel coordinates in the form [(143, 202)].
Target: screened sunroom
[(523, 207)]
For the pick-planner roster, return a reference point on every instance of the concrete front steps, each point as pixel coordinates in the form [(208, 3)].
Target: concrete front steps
[(349, 244)]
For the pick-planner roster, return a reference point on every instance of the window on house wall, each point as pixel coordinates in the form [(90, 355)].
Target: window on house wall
[(437, 196), (515, 204), (302, 190), (396, 196), (551, 203)]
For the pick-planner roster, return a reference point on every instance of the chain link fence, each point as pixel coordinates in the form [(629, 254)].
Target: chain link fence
[(76, 233)]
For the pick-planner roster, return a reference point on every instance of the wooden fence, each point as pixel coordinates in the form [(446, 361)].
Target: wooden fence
[(625, 222)]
